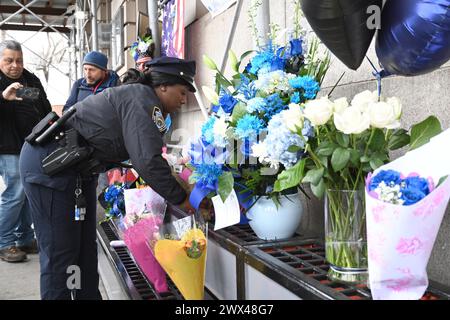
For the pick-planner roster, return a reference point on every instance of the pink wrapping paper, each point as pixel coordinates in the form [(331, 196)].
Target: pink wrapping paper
[(144, 215), (400, 239)]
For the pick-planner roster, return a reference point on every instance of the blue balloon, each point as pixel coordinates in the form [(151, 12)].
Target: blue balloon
[(415, 36)]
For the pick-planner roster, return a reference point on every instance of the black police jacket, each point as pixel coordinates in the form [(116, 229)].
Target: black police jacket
[(124, 123), (17, 118)]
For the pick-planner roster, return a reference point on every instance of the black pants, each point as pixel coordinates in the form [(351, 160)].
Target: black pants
[(67, 248)]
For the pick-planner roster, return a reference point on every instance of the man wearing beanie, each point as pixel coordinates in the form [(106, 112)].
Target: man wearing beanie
[(96, 78)]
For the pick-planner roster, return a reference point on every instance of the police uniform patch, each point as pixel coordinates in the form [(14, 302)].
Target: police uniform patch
[(158, 119)]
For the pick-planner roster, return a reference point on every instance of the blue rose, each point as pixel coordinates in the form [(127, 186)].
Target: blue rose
[(387, 176), (417, 183), (227, 102), (296, 47), (411, 196)]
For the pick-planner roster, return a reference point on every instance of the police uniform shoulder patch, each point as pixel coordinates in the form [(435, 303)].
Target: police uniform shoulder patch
[(158, 119)]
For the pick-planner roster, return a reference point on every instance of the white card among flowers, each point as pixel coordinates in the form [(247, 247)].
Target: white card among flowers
[(226, 213)]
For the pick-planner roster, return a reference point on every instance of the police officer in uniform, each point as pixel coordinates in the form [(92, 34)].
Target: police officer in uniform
[(120, 123)]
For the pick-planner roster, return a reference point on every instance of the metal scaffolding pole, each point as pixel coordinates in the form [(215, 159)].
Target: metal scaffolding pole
[(153, 25), (237, 14), (262, 22), (94, 25)]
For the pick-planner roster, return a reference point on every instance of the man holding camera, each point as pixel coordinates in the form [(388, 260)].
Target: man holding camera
[(23, 103)]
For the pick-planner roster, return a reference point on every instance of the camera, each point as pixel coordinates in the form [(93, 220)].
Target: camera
[(28, 93)]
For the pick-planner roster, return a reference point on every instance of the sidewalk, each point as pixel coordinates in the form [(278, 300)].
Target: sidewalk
[(20, 281)]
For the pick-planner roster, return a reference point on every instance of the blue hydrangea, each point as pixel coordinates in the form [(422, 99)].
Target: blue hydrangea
[(227, 102), (274, 105), (256, 105), (388, 176), (308, 129), (248, 127), (278, 141), (308, 84)]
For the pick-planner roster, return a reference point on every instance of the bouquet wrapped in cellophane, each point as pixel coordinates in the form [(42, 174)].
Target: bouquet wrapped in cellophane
[(145, 211), (180, 248), (405, 203)]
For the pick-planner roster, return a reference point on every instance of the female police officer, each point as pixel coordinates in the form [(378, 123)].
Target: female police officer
[(125, 122)]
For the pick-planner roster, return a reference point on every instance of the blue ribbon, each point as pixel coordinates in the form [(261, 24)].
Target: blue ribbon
[(199, 192)]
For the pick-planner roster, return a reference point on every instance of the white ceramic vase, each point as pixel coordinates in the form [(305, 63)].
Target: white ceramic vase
[(272, 223)]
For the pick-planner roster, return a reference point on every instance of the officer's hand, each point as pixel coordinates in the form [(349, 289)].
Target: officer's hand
[(187, 207), (10, 92)]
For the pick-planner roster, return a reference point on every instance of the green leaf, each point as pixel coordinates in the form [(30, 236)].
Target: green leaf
[(326, 148), (378, 141), (291, 177), (364, 159), (239, 111), (294, 149), (422, 132), (233, 61), (342, 139), (313, 176), (376, 163), (441, 181), (224, 83), (354, 157), (340, 159), (398, 141), (226, 182), (243, 56), (209, 62), (319, 189)]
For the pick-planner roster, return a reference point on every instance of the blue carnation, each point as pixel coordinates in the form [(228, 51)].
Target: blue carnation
[(388, 176), (248, 127), (207, 130), (296, 98), (247, 88), (208, 174), (411, 196), (256, 105), (308, 84)]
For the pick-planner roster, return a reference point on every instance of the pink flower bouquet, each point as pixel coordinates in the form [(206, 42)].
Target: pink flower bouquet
[(404, 214), (144, 215)]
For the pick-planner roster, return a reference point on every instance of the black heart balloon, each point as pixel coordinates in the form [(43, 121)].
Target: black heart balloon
[(342, 25)]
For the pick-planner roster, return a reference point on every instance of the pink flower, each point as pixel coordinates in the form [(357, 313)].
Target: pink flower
[(378, 213), (409, 246)]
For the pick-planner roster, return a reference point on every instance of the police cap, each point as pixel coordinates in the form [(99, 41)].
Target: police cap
[(184, 69)]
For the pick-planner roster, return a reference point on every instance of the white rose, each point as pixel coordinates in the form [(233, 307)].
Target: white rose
[(293, 117), (397, 105), (340, 104), (318, 111), (351, 121), (363, 99), (383, 115)]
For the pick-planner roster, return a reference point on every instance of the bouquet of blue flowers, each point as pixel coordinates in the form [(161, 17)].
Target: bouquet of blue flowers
[(112, 200), (254, 140)]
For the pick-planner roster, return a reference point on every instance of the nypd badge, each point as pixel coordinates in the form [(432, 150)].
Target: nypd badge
[(158, 119)]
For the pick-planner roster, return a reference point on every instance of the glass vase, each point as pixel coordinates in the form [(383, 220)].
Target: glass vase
[(345, 236)]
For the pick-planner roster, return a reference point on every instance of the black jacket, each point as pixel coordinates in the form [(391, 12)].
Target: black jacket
[(123, 123), (17, 118)]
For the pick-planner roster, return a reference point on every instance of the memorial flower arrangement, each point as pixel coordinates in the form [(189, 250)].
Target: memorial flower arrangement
[(255, 138)]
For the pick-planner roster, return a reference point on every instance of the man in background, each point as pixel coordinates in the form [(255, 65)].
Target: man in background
[(17, 119), (96, 78)]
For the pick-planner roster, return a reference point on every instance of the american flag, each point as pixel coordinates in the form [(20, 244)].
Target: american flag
[(173, 29)]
